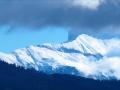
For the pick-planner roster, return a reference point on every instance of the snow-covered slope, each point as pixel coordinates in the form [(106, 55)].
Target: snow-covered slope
[(85, 56)]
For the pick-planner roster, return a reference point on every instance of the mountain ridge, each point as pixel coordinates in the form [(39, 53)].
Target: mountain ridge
[(85, 56)]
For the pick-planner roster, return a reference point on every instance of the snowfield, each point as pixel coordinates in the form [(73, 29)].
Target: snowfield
[(85, 56)]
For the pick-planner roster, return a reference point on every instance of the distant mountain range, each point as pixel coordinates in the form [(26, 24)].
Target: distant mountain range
[(85, 56)]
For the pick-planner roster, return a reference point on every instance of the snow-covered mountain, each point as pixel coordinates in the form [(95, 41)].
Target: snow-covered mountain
[(85, 56)]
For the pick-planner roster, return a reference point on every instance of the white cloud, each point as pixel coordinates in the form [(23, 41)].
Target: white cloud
[(90, 4)]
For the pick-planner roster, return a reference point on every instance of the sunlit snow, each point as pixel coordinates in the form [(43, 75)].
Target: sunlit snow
[(85, 56)]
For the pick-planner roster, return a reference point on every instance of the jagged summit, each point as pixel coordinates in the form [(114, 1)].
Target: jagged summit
[(85, 56), (84, 36)]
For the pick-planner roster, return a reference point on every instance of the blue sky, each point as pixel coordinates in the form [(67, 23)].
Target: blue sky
[(23, 37), (92, 17)]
